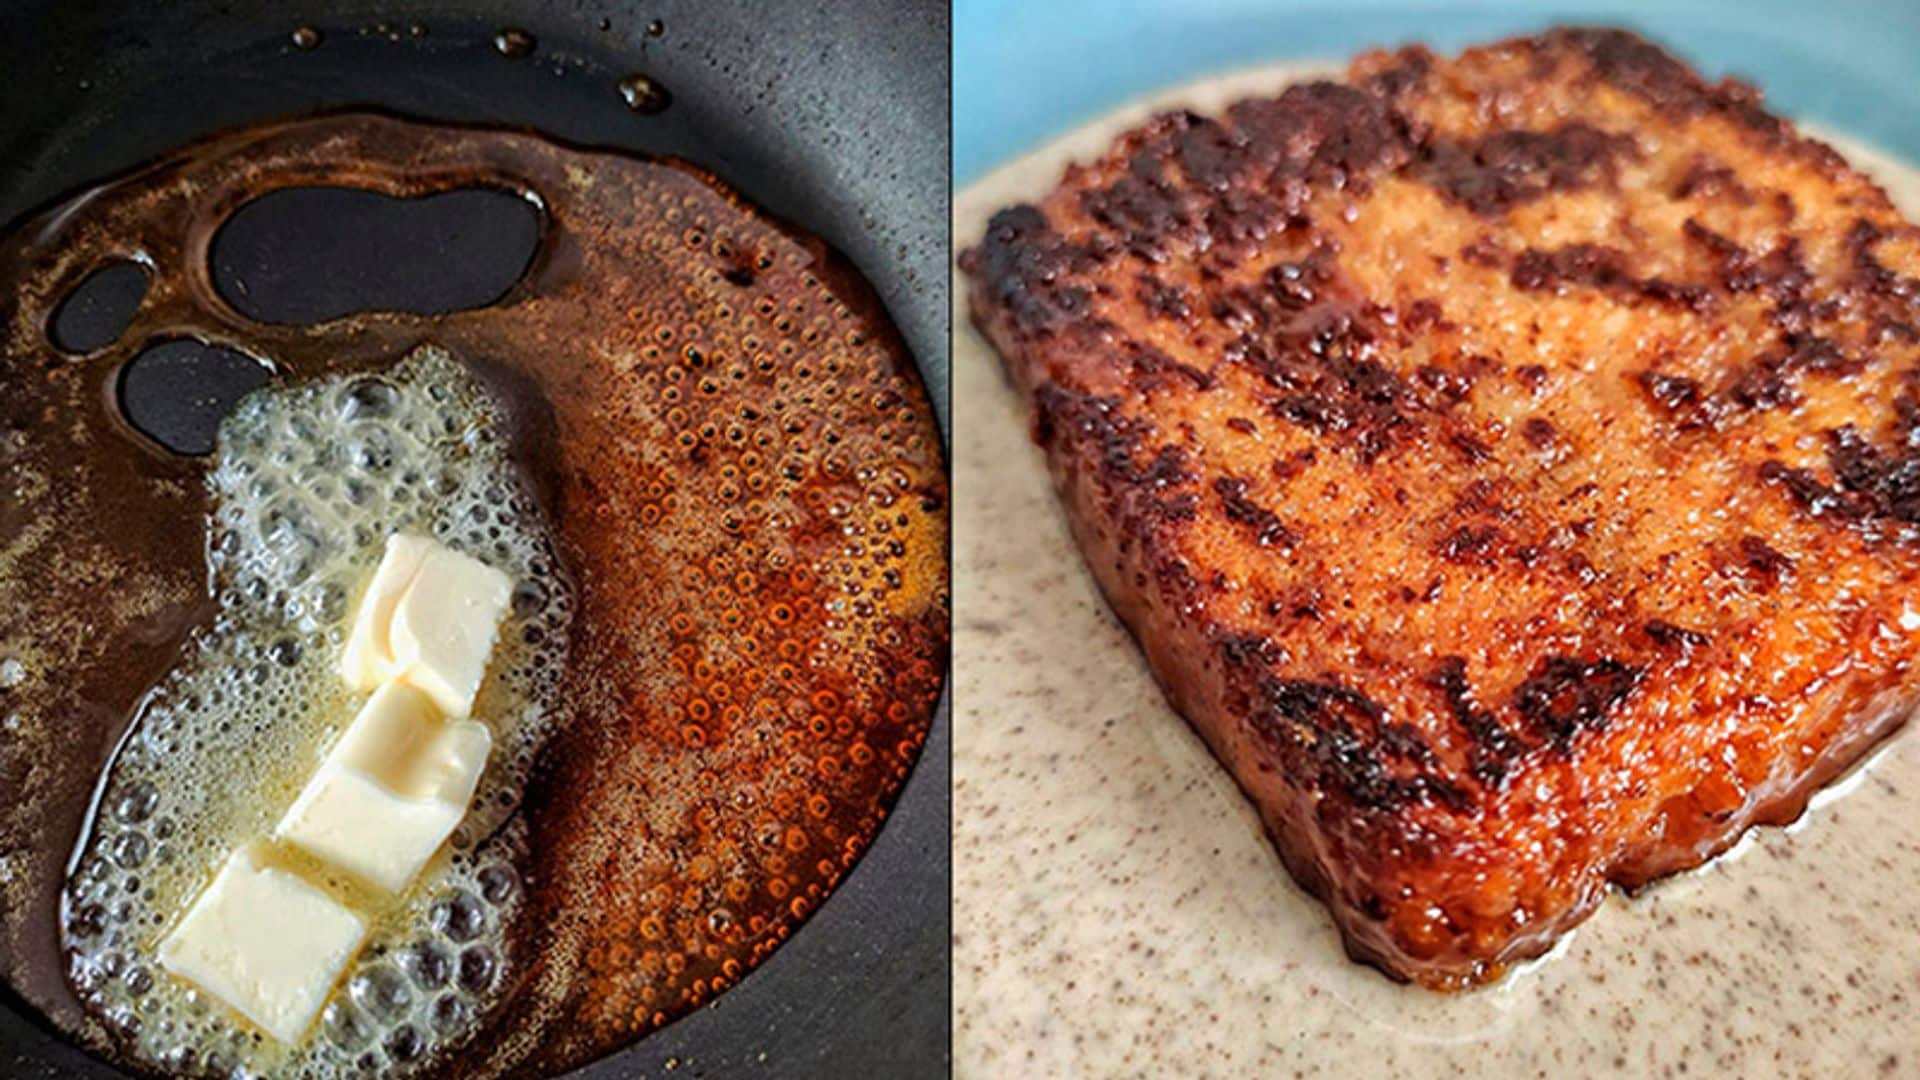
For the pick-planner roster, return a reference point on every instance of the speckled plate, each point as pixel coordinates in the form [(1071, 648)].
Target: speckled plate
[(1117, 909)]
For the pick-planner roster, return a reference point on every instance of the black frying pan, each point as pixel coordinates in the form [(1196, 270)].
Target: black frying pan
[(831, 115)]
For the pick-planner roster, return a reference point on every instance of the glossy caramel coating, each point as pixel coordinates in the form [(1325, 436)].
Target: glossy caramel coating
[(1506, 462)]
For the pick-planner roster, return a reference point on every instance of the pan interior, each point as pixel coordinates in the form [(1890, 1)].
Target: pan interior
[(862, 162)]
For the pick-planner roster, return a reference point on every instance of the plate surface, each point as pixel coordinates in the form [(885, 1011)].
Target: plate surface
[(1118, 909)]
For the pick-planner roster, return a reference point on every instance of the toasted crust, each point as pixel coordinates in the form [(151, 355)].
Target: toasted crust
[(1509, 464)]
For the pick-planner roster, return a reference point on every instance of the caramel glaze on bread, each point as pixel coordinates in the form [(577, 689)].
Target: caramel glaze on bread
[(1510, 464)]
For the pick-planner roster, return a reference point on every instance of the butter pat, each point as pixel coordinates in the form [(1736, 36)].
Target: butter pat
[(429, 617), (264, 942), (391, 790), (368, 660)]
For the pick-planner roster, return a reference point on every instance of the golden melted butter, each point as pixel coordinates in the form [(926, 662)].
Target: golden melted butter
[(308, 482)]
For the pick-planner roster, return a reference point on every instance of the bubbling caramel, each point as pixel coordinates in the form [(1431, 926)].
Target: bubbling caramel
[(743, 479)]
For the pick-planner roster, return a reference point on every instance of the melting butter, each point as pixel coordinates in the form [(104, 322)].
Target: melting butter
[(430, 618), (309, 480)]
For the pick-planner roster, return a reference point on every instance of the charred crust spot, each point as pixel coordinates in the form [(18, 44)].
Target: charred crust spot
[(1767, 382), (1906, 417), (1182, 506), (1285, 290), (1688, 295), (1779, 274), (1494, 174), (1763, 385), (1322, 133), (1286, 468), (1708, 178), (1141, 209), (1317, 706), (1539, 432), (1638, 66), (1208, 152), (1495, 749), (1675, 394), (1223, 186), (1251, 650), (1299, 602), (1164, 301), (1154, 370), (1473, 449), (1887, 329), (1423, 314), (1875, 490), (1820, 355), (1806, 490), (1529, 555), (1473, 545), (1023, 262), (1600, 267), (1668, 635), (1326, 366), (1482, 496), (1173, 573), (1575, 264), (1263, 524), (1884, 484), (1293, 285), (1783, 277), (1443, 388), (1408, 72), (1875, 276), (1095, 424), (1567, 696), (1168, 468), (1635, 65), (1405, 742), (1762, 563), (1717, 245), (1344, 740), (1582, 569)]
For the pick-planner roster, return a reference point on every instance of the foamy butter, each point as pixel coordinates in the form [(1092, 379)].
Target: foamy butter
[(309, 482)]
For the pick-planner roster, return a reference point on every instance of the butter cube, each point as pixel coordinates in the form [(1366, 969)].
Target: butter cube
[(264, 942), (368, 660), (430, 617), (391, 790), (444, 627)]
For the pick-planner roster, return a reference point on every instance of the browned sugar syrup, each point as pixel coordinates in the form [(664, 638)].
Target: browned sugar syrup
[(745, 485)]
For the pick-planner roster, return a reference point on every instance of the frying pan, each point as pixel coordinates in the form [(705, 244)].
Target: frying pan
[(832, 116)]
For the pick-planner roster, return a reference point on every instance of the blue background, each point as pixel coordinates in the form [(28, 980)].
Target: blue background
[(1024, 71)]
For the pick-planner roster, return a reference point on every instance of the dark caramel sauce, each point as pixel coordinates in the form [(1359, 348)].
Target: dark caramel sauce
[(744, 476)]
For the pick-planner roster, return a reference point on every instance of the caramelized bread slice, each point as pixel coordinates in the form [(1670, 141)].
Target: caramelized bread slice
[(1510, 464)]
